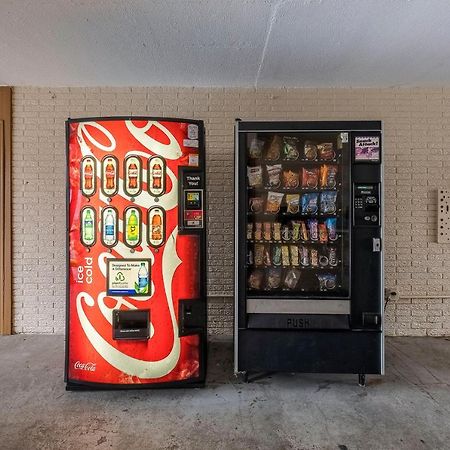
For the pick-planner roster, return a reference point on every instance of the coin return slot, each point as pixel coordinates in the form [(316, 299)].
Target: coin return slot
[(131, 324)]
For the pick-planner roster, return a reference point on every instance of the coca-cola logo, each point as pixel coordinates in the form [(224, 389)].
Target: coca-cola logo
[(89, 366)]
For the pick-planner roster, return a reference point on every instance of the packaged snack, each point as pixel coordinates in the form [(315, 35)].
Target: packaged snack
[(286, 234), (274, 175), (274, 150), (293, 249), (310, 177), (313, 229), (258, 231), (328, 176), (273, 279), (255, 279), (277, 231), (290, 152), (323, 234), (291, 278), (259, 254), (255, 149), (290, 179), (285, 255), (267, 231), (293, 203), (250, 260), (249, 230), (276, 255), (326, 151), (310, 203), (332, 257), (303, 231), (255, 204), (267, 257), (323, 261), (328, 202), (296, 230), (331, 227), (304, 256), (254, 175), (314, 258), (310, 151), (326, 281), (274, 200)]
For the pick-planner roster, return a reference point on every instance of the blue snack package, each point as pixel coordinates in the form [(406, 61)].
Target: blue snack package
[(328, 202), (310, 203)]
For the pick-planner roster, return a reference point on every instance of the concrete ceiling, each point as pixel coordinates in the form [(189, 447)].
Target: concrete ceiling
[(259, 43)]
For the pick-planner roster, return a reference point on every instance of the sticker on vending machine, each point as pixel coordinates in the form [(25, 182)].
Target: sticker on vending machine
[(128, 277)]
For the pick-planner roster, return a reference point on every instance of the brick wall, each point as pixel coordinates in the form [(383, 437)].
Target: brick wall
[(417, 162)]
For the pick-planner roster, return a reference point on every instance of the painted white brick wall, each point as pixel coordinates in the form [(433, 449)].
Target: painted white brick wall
[(417, 163)]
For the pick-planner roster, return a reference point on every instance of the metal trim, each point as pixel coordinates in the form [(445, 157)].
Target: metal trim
[(283, 306)]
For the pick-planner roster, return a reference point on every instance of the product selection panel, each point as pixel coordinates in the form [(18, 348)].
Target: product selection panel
[(366, 205)]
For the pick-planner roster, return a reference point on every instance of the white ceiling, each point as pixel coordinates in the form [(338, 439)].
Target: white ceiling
[(225, 42)]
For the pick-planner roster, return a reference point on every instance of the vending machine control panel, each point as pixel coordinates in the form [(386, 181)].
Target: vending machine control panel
[(192, 206), (366, 205)]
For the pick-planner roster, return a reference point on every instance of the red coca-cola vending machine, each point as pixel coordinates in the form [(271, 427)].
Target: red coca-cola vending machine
[(136, 275)]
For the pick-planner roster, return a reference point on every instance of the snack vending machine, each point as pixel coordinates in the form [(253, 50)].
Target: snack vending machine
[(136, 276), (309, 266)]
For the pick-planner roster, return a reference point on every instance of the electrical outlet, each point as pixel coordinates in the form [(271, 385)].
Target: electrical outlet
[(443, 216)]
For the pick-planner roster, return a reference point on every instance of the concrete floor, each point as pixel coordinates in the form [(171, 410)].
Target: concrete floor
[(409, 408)]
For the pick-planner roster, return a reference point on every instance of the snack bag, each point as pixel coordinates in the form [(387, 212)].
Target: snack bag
[(304, 256), (250, 259), (296, 230), (255, 279), (291, 278), (310, 177), (254, 175), (303, 231), (326, 281), (332, 257), (290, 152), (326, 151), (290, 179), (331, 227), (274, 150), (258, 231), (286, 234), (273, 279), (277, 231), (274, 200), (293, 249), (255, 149), (293, 203), (285, 255), (314, 258), (267, 231), (328, 175), (267, 257), (313, 229), (249, 230), (276, 255), (274, 175), (310, 203), (310, 151), (255, 204), (328, 202), (259, 254), (323, 235)]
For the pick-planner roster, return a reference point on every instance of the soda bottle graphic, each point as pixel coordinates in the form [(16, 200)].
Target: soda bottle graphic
[(156, 227), (132, 228), (88, 228), (110, 232), (132, 176), (110, 175), (157, 176), (88, 176), (143, 279)]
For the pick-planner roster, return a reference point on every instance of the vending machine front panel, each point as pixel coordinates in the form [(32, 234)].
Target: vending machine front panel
[(129, 267)]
